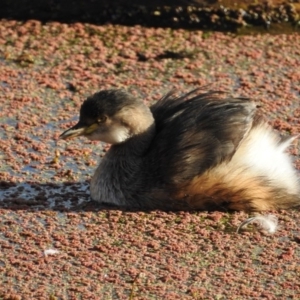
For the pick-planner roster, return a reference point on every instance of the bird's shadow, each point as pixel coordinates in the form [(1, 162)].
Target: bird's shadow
[(35, 196), (66, 197)]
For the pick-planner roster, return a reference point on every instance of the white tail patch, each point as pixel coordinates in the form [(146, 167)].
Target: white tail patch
[(263, 153), (268, 223)]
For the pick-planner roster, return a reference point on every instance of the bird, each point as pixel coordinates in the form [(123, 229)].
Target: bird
[(201, 150)]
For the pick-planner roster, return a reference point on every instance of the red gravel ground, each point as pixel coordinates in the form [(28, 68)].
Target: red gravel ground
[(46, 72)]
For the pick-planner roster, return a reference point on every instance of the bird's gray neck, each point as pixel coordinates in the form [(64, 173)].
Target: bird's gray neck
[(120, 172), (137, 145)]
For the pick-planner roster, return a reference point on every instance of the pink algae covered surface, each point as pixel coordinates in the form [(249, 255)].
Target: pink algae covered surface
[(46, 72)]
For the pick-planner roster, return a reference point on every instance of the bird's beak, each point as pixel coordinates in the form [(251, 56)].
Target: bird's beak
[(78, 130)]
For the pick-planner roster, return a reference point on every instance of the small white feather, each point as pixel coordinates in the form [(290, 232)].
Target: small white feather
[(50, 252), (268, 223)]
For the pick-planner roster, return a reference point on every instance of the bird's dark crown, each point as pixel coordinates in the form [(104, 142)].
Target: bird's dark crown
[(106, 102)]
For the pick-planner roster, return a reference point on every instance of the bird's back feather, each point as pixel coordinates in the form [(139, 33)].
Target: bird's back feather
[(196, 132), (214, 153)]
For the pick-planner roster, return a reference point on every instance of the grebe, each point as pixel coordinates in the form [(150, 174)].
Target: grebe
[(198, 151)]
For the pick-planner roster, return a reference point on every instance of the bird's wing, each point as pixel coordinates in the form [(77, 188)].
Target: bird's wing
[(196, 132)]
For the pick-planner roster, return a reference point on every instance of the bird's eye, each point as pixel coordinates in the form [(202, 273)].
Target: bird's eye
[(101, 119)]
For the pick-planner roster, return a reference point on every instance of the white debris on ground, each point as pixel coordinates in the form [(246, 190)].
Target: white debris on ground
[(51, 252), (268, 223)]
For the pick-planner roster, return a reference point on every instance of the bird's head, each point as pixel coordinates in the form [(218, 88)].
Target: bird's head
[(111, 116)]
